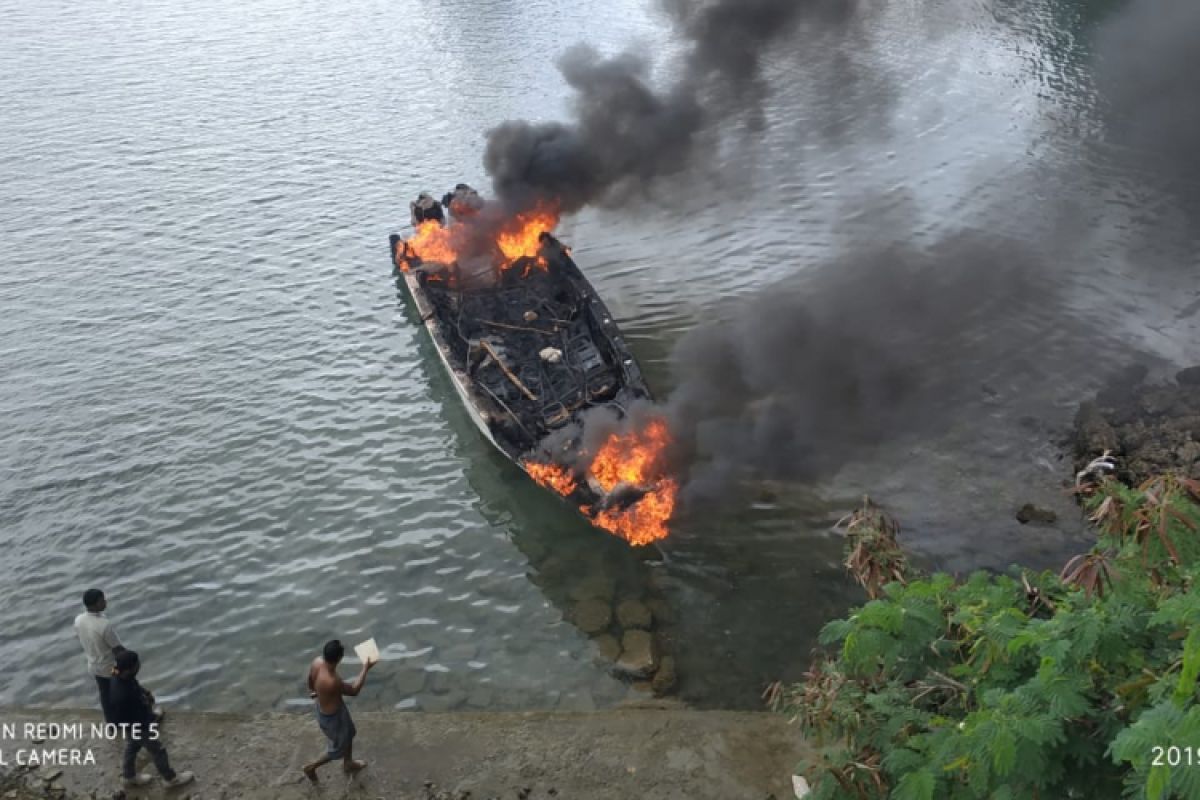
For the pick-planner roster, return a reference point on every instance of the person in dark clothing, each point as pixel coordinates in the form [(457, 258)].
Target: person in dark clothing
[(133, 706)]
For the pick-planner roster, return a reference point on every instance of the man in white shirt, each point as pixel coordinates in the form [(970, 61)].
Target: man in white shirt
[(100, 645)]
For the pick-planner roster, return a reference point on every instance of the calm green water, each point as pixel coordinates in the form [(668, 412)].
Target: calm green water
[(216, 407)]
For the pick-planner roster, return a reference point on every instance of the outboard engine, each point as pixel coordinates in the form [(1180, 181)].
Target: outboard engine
[(463, 202), (426, 209)]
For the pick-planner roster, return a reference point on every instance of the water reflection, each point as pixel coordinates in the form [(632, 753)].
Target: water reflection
[(222, 417)]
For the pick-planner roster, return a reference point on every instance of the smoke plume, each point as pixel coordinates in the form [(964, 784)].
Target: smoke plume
[(626, 133), (882, 342), (882, 339), (1147, 63)]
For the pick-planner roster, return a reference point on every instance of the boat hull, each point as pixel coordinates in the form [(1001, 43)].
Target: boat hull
[(458, 378), (632, 385)]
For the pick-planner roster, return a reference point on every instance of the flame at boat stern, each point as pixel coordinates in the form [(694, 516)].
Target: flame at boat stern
[(626, 489)]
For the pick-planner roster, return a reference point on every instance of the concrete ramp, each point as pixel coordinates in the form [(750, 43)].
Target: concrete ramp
[(624, 754)]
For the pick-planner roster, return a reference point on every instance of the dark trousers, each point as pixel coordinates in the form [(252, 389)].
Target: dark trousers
[(103, 685), (155, 748)]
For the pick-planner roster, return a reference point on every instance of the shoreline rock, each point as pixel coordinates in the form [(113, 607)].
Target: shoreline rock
[(1029, 513), (1148, 428), (639, 656)]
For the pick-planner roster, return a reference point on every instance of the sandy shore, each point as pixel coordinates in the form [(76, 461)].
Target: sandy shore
[(630, 754)]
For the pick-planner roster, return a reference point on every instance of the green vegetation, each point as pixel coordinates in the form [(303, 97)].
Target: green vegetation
[(1022, 685)]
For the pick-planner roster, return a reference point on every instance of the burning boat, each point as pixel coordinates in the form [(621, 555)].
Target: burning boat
[(534, 354)]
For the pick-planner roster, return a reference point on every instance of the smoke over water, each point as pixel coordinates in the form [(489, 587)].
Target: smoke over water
[(1147, 68), (626, 134), (885, 341), (880, 340)]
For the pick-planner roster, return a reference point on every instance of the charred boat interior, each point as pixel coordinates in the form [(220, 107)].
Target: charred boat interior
[(535, 341)]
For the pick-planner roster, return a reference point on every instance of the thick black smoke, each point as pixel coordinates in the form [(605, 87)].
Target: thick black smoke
[(882, 341), (1148, 77), (626, 133)]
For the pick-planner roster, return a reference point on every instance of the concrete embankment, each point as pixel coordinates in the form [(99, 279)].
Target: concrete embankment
[(630, 754)]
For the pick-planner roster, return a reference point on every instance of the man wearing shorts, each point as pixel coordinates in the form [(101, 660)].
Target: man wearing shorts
[(333, 717)]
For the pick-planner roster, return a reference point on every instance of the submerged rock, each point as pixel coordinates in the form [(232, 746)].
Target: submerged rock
[(1039, 516), (592, 616), (633, 614), (459, 653), (407, 682), (440, 681), (596, 586)]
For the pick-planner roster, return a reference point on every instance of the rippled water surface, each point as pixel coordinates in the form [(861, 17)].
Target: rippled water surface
[(216, 407)]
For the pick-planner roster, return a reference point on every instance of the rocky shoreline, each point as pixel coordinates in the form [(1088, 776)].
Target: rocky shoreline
[(1147, 428)]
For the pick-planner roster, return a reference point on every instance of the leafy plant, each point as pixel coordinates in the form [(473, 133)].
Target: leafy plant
[(1041, 686)]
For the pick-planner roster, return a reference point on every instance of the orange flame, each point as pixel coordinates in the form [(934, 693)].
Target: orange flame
[(551, 476), (432, 243), (519, 236), (635, 458), (631, 457)]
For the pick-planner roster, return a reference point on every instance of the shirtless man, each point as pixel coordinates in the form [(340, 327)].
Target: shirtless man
[(327, 687)]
